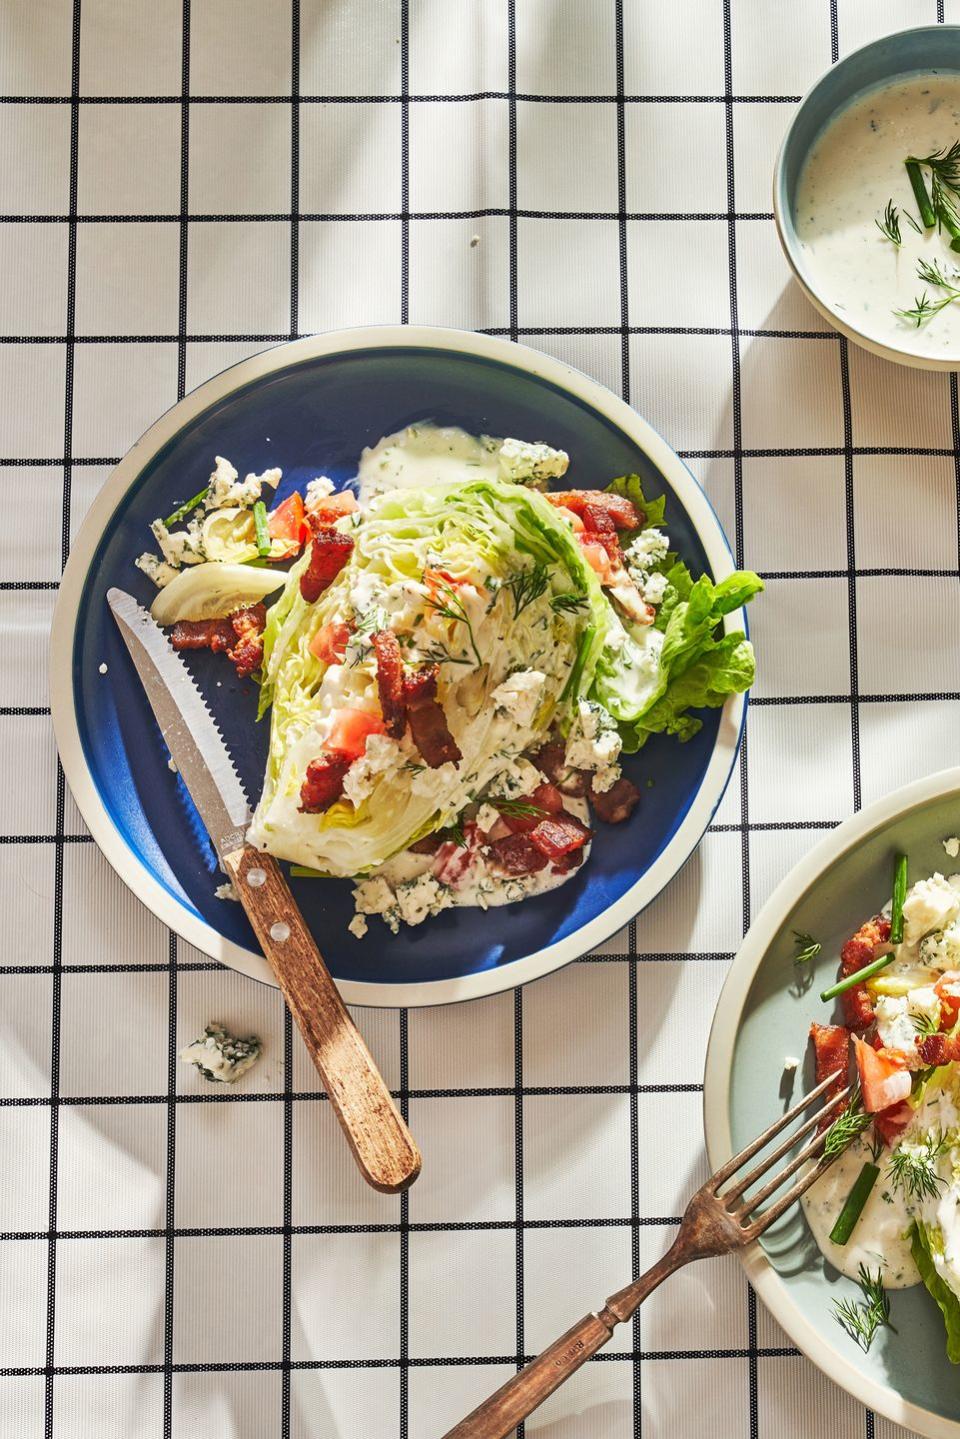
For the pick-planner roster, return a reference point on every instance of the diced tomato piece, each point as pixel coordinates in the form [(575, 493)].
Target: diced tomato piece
[(884, 1080), (438, 582), (598, 559), (330, 642), (890, 1123), (947, 989), (545, 800), (331, 508), (350, 731), (287, 523)]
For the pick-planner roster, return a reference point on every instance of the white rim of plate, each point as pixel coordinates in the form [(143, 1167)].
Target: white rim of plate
[(718, 1072), (131, 869)]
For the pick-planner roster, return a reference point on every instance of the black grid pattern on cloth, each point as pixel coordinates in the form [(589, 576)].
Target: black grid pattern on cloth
[(508, 1233)]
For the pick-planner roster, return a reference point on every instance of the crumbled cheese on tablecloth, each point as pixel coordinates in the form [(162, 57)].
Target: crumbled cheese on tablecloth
[(221, 1057)]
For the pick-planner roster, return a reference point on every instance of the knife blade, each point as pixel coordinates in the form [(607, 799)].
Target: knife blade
[(189, 730), (375, 1130)]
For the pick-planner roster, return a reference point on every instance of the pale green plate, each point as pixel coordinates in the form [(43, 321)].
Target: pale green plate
[(759, 1020)]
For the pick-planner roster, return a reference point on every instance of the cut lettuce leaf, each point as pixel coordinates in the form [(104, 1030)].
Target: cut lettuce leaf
[(925, 1242), (478, 538), (691, 664)]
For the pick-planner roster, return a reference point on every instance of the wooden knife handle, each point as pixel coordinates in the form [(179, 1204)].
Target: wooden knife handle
[(499, 1415), (382, 1145)]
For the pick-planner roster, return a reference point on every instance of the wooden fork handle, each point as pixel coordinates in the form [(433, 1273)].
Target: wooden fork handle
[(509, 1406), (382, 1145)]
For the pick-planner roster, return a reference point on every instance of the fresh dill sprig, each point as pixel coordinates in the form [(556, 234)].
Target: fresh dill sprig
[(454, 833), (861, 1318), (848, 1127), (926, 1024), (411, 767), (361, 641), (930, 271), (452, 608), (526, 586), (807, 947), (519, 809), (912, 222), (913, 1171), (889, 226), (438, 653), (568, 603), (924, 309)]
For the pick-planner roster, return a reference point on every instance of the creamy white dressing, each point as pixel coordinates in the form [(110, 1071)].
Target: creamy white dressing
[(424, 455), (854, 168), (878, 1240)]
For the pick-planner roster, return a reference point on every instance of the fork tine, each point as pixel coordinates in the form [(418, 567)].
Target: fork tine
[(732, 1165), (792, 1195), (760, 1169), (810, 1151)]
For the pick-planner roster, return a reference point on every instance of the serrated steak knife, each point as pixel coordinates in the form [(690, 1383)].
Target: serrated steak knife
[(381, 1143)]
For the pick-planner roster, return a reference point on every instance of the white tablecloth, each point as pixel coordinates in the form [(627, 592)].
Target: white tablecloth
[(186, 182)]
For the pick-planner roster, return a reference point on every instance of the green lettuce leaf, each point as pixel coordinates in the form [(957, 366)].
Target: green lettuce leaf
[(698, 665), (924, 1239), (726, 668)]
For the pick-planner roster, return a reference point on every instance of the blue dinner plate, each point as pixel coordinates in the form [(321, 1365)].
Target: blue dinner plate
[(310, 407)]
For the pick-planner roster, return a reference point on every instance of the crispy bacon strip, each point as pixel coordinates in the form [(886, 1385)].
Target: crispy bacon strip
[(329, 552), (323, 783), (517, 854), (870, 941), (617, 803), (428, 723), (559, 835), (939, 1048), (622, 512), (545, 800), (240, 634), (831, 1049), (213, 635), (390, 682), (248, 625), (551, 761)]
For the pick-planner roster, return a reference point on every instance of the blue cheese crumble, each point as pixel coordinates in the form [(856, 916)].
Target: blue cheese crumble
[(219, 1056)]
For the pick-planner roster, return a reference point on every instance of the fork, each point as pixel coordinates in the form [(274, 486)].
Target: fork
[(712, 1223)]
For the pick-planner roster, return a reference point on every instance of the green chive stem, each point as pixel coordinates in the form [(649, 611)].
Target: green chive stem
[(850, 981), (899, 895), (854, 1204), (262, 529), (184, 510), (920, 194)]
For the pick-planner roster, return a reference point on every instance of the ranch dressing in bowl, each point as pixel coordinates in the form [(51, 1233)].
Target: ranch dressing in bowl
[(854, 168)]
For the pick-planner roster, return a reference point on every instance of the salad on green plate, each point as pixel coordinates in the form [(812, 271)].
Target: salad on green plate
[(456, 660)]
